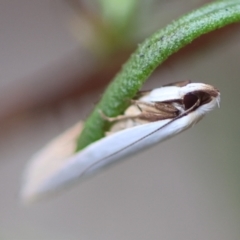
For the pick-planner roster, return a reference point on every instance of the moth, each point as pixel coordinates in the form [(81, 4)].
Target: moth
[(152, 117)]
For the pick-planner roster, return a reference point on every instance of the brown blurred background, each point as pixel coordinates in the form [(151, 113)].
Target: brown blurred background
[(56, 57)]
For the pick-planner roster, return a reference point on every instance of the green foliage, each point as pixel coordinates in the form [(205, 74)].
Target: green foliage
[(152, 52)]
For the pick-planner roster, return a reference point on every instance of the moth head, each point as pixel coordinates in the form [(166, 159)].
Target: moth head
[(205, 97)]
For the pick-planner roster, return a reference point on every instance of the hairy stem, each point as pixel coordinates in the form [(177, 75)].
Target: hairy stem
[(151, 53)]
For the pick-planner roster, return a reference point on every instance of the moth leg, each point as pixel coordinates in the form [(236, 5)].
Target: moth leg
[(153, 116), (148, 116), (165, 107), (144, 106), (137, 102), (118, 118), (160, 106)]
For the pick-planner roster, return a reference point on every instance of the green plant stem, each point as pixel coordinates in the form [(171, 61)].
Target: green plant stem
[(152, 52)]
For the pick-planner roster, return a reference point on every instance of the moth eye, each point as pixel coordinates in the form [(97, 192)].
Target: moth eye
[(189, 100)]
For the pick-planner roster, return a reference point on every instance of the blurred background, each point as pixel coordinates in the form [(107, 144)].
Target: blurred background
[(56, 58)]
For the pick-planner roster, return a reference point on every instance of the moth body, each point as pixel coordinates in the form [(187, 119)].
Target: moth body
[(152, 117)]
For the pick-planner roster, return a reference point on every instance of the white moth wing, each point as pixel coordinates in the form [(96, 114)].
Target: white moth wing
[(57, 165), (169, 93), (50, 159), (162, 94), (47, 174)]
